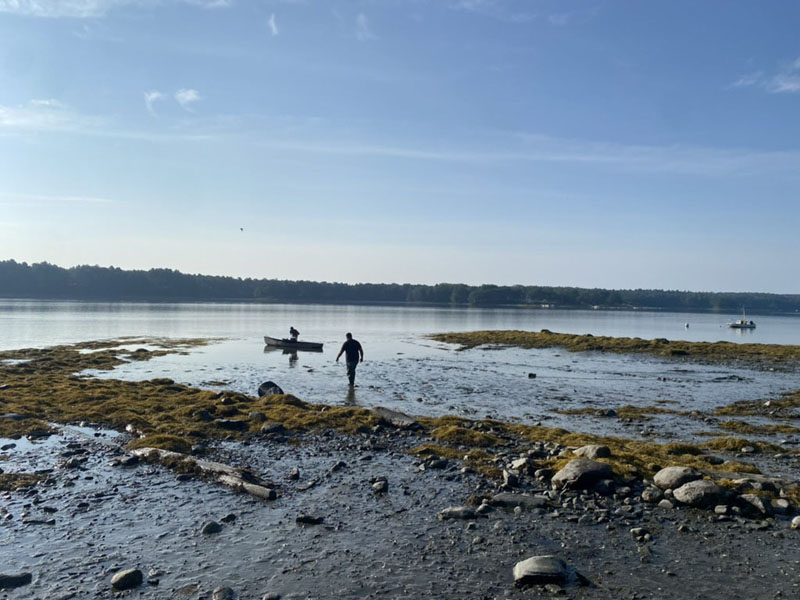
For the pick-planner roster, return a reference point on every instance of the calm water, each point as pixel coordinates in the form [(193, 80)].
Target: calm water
[(404, 370)]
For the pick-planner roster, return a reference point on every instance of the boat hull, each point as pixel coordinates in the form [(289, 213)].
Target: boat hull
[(291, 344)]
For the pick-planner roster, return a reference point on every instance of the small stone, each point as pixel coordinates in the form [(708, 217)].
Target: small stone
[(223, 593), (127, 579), (666, 504), (381, 486), (271, 596), (796, 523), (593, 451), (294, 474), (652, 495), (540, 570), (229, 518), (304, 519), (457, 512), (211, 527)]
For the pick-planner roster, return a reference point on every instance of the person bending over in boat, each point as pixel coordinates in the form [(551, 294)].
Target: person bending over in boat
[(354, 354), (293, 333)]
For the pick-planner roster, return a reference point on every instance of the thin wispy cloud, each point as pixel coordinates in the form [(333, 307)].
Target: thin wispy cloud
[(90, 9), (785, 81), (501, 10), (273, 25), (29, 199), (186, 97), (363, 31), (150, 98), (42, 115)]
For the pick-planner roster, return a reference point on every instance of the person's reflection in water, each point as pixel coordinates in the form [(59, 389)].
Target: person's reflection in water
[(350, 399), (292, 357)]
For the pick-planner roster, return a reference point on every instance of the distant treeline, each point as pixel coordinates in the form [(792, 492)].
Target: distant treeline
[(43, 280)]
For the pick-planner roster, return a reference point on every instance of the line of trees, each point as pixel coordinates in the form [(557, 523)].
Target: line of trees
[(43, 280)]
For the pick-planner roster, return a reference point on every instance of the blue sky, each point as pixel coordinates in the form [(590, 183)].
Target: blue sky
[(614, 144)]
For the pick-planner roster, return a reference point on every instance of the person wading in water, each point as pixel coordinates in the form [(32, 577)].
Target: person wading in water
[(354, 354)]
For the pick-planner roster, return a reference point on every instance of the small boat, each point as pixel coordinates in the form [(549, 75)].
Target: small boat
[(743, 323), (291, 344)]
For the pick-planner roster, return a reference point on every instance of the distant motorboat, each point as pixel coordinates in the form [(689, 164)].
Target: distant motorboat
[(291, 344), (742, 323)]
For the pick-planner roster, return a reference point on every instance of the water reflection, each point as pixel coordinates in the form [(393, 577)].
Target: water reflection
[(291, 352), (350, 399)]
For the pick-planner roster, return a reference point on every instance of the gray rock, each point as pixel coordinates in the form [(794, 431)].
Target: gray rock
[(526, 501), (457, 512), (380, 486), (304, 519), (580, 473), (510, 479), (259, 491), (127, 579), (269, 388), (294, 474), (796, 523), (652, 495), (9, 581), (540, 570), (211, 527), (231, 424), (674, 477), (722, 509), (699, 493), (271, 596), (755, 503), (223, 593), (593, 451), (666, 504), (257, 416), (274, 428), (394, 418), (780, 506)]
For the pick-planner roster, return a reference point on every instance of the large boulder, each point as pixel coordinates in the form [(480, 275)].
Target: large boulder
[(674, 477), (700, 493), (581, 473), (269, 388), (540, 569)]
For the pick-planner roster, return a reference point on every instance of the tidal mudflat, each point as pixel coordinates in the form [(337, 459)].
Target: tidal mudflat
[(351, 501)]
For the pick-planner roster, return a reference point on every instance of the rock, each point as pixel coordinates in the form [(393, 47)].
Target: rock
[(294, 474), (380, 486), (223, 593), (520, 464), (666, 504), (540, 570), (211, 527), (127, 579), (274, 428), (780, 506), (395, 418), (593, 451), (754, 503), (260, 491), (269, 388), (271, 596), (203, 415), (304, 519), (526, 501), (652, 495), (796, 523), (675, 477), (699, 493), (457, 512), (5, 447), (640, 534), (229, 518), (510, 480), (531, 375), (231, 424), (257, 416), (9, 581), (580, 473), (543, 474)]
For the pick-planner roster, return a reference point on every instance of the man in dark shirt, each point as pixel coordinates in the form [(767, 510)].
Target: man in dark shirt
[(354, 354)]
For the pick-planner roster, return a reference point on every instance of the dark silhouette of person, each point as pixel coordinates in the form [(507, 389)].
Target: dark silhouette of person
[(354, 354), (293, 333)]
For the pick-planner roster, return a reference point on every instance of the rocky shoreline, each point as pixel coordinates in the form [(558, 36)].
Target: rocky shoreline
[(159, 490), (359, 516)]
